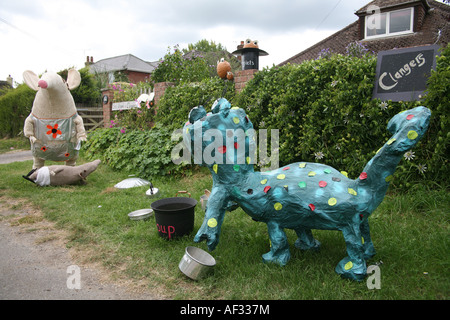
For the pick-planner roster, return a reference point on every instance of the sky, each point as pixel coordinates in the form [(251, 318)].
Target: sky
[(54, 35)]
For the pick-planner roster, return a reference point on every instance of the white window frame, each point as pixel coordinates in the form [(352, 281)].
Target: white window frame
[(388, 18)]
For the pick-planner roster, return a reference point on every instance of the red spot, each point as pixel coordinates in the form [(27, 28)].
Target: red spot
[(187, 123), (222, 149), (236, 145), (409, 117), (361, 216), (67, 154), (286, 168), (363, 175), (312, 207), (267, 188), (322, 184), (44, 148)]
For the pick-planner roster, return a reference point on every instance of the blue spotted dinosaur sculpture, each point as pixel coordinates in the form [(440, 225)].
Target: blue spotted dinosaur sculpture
[(301, 196)]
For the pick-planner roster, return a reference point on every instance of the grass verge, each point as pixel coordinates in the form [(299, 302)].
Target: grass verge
[(410, 233)]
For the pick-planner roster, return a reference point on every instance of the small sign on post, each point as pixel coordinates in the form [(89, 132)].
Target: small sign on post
[(402, 74)]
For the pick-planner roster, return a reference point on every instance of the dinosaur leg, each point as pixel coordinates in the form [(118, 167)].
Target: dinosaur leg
[(353, 266), (369, 249), (279, 249), (306, 240)]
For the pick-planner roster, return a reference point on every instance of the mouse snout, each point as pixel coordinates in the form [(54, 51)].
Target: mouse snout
[(42, 84)]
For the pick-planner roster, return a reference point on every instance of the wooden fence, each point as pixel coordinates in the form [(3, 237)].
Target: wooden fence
[(92, 116)]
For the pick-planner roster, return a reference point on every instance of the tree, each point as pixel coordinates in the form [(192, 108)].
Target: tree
[(205, 46)]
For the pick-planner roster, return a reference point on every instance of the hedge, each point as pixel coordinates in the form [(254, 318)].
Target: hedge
[(323, 109)]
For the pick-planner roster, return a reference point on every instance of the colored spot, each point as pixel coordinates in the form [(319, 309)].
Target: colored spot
[(222, 149), (311, 174), (264, 181), (187, 130), (212, 223), (409, 117), (236, 167), (312, 207), (236, 145), (327, 171), (302, 184), (250, 191), (390, 141), (267, 188), (322, 184), (389, 178), (248, 160), (302, 165), (362, 240), (234, 108), (332, 201), (344, 173), (236, 120), (352, 191), (336, 179), (278, 206), (281, 176), (412, 135), (286, 168), (348, 265), (363, 176)]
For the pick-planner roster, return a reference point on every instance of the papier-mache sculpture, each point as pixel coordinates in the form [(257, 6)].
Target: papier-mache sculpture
[(58, 175), (300, 196), (54, 127)]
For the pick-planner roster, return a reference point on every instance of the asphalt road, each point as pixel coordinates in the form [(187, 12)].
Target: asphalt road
[(35, 266)]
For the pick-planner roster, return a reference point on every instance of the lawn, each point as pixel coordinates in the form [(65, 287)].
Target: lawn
[(409, 231)]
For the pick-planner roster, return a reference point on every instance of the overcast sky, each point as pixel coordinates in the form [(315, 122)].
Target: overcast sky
[(56, 34)]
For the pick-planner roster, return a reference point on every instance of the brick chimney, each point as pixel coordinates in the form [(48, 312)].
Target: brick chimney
[(89, 61)]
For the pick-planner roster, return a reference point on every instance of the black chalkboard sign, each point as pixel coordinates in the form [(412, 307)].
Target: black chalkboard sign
[(402, 74)]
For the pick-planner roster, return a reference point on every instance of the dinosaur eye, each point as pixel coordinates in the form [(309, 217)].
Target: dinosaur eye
[(248, 41), (255, 42)]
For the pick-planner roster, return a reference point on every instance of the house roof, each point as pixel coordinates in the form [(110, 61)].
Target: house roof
[(124, 62), (435, 28)]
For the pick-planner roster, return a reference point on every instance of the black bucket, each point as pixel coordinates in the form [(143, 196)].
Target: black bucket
[(174, 216)]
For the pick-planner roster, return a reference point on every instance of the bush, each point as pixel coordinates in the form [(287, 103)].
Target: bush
[(177, 102), (145, 153), (15, 106), (325, 113)]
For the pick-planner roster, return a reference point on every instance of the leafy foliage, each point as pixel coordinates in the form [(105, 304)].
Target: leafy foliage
[(146, 153), (15, 106)]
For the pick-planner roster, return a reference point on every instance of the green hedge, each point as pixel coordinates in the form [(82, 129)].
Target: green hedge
[(15, 106), (323, 109), (325, 113)]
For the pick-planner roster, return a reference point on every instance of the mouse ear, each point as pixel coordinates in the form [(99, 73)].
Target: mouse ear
[(31, 79), (73, 79)]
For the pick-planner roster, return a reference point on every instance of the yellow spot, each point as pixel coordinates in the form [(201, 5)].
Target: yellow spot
[(332, 201), (215, 167), (278, 206), (234, 108), (248, 160), (281, 176), (389, 178), (264, 181), (187, 130), (311, 173), (236, 120), (212, 223), (302, 165), (348, 265), (352, 191), (412, 135), (390, 141), (344, 173), (362, 240)]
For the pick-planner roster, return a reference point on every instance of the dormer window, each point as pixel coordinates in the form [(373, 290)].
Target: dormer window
[(389, 23)]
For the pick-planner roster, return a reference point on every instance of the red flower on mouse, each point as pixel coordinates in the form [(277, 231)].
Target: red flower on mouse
[(54, 130)]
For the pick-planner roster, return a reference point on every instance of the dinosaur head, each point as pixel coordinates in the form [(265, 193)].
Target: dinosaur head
[(223, 136)]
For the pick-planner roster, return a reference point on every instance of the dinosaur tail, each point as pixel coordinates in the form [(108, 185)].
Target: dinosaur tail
[(407, 127)]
